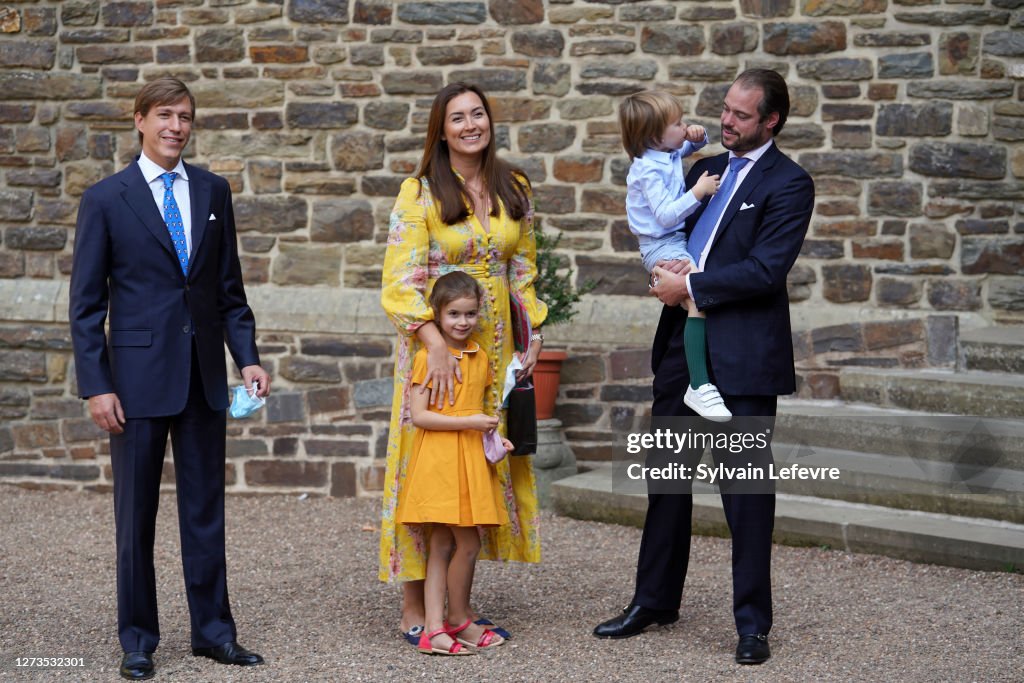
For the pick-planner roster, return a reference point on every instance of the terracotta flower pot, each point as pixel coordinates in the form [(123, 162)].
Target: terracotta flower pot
[(546, 377)]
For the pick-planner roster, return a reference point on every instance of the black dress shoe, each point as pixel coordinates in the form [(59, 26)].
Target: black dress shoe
[(137, 666), (229, 653), (633, 620), (753, 649)]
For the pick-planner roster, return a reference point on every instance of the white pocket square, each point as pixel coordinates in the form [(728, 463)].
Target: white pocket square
[(744, 206), (212, 218)]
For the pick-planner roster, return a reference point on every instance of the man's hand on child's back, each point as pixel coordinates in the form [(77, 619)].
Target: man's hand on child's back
[(677, 266)]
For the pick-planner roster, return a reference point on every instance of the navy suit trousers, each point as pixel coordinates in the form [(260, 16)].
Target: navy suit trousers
[(137, 456), (665, 547)]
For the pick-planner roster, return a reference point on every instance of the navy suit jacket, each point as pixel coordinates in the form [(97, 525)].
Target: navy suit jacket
[(124, 263), (743, 286)]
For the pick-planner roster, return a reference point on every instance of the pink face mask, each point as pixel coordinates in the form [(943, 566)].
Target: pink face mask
[(494, 450)]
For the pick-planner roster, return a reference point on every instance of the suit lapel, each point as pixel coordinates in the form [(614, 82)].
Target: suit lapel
[(753, 178), (199, 197), (139, 197)]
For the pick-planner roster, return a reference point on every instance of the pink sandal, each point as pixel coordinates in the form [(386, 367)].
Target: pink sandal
[(427, 648), (487, 639)]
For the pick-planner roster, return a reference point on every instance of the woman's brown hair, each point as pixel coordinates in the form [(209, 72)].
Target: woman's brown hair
[(504, 181)]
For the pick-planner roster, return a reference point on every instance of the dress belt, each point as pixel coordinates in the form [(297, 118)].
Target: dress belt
[(477, 270)]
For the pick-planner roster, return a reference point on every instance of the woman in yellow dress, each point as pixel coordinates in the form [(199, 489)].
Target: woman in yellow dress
[(465, 210)]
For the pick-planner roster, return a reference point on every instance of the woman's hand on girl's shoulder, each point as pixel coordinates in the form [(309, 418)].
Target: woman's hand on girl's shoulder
[(442, 373)]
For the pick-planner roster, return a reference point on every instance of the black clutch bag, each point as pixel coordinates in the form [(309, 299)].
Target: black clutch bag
[(522, 406), (522, 419)]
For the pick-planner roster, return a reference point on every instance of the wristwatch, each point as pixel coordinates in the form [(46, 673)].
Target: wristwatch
[(537, 336)]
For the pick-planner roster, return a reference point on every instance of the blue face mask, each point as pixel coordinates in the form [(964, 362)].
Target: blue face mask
[(244, 405)]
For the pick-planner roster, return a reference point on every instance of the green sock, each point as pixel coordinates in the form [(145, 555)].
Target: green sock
[(695, 345)]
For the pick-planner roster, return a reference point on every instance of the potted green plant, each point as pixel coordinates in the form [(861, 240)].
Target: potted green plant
[(555, 287)]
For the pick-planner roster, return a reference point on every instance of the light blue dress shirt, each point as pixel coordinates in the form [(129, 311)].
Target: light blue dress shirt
[(657, 203)]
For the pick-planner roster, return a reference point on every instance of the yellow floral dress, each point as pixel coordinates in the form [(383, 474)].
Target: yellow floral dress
[(422, 248)]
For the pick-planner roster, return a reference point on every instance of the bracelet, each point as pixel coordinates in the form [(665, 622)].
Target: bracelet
[(537, 336)]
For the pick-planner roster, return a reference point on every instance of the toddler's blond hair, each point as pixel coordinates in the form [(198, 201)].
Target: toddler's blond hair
[(643, 117)]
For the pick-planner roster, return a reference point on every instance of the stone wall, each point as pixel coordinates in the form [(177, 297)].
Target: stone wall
[(908, 113)]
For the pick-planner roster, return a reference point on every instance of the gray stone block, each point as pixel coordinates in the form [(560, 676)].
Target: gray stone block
[(317, 11), (373, 393), (433, 13), (994, 349), (286, 407)]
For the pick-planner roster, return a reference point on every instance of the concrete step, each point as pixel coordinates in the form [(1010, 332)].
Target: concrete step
[(951, 464), (965, 440), (993, 349), (985, 394), (907, 483), (801, 520)]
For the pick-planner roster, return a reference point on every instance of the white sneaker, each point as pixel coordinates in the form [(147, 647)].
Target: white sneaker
[(707, 402)]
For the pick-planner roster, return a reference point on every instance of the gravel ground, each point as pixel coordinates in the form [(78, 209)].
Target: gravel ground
[(304, 593)]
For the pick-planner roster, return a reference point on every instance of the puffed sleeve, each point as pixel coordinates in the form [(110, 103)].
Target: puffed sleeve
[(419, 367), (404, 280), (523, 266)]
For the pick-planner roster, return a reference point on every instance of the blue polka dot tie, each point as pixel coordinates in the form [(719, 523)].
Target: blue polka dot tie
[(715, 208), (172, 217)]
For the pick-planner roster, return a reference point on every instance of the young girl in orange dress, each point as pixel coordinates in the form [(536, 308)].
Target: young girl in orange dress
[(449, 483)]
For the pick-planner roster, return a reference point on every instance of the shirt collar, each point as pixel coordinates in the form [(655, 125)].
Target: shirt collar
[(471, 347), (152, 170), (756, 154), (659, 157)]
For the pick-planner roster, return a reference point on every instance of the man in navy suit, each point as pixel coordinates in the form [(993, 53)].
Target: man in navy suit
[(749, 239), (155, 250)]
